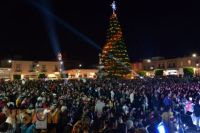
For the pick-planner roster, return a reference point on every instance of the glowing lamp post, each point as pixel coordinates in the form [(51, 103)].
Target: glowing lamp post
[(9, 61), (148, 61), (194, 55)]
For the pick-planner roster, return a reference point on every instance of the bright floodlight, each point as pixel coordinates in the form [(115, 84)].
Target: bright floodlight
[(194, 55), (80, 65)]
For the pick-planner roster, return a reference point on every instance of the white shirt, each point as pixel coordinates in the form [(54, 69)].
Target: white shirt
[(99, 106), (132, 97), (112, 94)]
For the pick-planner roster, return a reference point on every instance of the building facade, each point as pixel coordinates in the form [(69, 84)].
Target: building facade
[(169, 64), (82, 73), (5, 73), (16, 69), (30, 69)]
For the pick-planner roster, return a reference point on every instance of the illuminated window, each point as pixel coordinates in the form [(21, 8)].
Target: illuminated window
[(163, 66), (169, 65), (32, 68), (44, 68), (18, 68), (189, 62), (181, 63), (174, 64), (56, 68)]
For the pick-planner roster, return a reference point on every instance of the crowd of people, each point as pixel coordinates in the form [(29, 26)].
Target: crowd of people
[(100, 105)]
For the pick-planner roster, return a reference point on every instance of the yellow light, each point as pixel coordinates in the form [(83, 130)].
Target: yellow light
[(51, 75), (56, 73)]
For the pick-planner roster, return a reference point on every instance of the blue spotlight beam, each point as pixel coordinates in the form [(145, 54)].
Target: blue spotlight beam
[(45, 10), (49, 23), (65, 24)]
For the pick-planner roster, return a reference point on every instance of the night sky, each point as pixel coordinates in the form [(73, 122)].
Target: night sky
[(150, 28)]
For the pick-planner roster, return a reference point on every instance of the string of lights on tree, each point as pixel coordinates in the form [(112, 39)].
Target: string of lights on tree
[(114, 56)]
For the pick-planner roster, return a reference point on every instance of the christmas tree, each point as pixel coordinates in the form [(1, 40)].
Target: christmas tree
[(114, 56)]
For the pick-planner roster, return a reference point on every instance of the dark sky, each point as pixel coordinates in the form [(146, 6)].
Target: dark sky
[(150, 28)]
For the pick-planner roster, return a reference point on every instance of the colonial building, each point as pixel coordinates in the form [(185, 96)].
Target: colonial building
[(81, 73), (5, 73), (16, 69), (29, 69), (169, 65)]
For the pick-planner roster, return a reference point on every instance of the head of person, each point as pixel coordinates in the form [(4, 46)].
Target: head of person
[(61, 102), (169, 95), (166, 116), (53, 107), (63, 108), (129, 124), (113, 123), (190, 99), (140, 130), (27, 118)]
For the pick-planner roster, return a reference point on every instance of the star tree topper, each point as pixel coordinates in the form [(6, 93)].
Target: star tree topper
[(114, 7)]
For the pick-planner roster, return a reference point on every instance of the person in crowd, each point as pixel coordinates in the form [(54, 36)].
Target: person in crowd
[(197, 113), (28, 126), (167, 101), (140, 130), (52, 119), (4, 126), (166, 126), (100, 105)]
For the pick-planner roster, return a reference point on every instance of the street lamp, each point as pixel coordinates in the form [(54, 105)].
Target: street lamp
[(148, 60), (9, 61), (194, 55), (80, 65)]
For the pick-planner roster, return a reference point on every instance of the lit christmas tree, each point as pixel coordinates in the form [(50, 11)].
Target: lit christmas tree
[(114, 56)]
